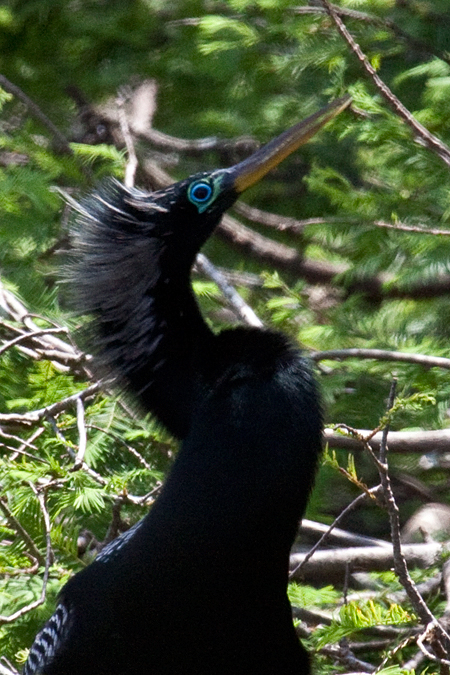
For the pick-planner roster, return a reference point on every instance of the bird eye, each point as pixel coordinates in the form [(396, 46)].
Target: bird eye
[(199, 193)]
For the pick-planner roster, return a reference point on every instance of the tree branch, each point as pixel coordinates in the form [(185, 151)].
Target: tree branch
[(35, 110), (381, 355), (381, 23), (423, 135), (331, 563), (399, 441)]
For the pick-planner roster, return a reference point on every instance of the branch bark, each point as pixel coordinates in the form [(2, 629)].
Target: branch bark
[(399, 441), (331, 563)]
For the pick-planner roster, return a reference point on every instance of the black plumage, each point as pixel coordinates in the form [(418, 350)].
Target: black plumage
[(199, 585)]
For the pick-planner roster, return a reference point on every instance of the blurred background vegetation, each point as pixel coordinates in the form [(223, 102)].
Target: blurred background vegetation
[(349, 269)]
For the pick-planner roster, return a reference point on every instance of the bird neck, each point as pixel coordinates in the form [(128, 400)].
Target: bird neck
[(163, 355)]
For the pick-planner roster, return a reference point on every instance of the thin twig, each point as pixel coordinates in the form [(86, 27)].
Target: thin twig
[(119, 439), (23, 534), (400, 566), (426, 137), (358, 500), (48, 561), (28, 444), (82, 437), (402, 227)]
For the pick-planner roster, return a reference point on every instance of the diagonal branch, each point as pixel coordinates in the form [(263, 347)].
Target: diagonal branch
[(424, 136), (37, 113)]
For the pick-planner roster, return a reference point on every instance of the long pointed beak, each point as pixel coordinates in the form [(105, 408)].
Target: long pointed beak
[(252, 169)]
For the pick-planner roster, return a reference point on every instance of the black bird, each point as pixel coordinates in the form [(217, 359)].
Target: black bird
[(198, 586)]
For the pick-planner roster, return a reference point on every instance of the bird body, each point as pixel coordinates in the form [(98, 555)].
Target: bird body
[(199, 585)]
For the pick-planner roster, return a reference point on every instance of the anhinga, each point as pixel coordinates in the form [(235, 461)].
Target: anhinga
[(199, 585)]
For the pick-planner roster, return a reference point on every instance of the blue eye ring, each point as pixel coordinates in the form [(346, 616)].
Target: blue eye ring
[(200, 193)]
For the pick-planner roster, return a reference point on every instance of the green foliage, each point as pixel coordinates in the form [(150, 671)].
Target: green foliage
[(358, 616), (226, 69)]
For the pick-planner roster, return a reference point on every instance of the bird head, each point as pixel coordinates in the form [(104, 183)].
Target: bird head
[(186, 213)]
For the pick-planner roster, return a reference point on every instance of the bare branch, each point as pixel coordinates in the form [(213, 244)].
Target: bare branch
[(399, 441), (400, 565), (30, 336), (338, 536), (82, 437), (233, 298), (381, 355), (330, 564), (132, 163), (34, 417), (402, 227), (344, 656)]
